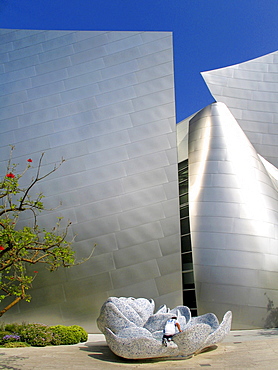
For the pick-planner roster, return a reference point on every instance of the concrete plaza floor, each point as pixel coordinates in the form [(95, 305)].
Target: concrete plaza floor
[(245, 349)]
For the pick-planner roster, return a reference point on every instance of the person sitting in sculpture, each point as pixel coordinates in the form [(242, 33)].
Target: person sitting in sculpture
[(170, 330)]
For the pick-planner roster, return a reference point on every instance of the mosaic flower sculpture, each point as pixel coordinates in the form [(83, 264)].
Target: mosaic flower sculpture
[(133, 331)]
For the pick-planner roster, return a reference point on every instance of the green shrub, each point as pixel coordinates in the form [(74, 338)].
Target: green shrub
[(37, 335), (64, 335), (40, 335), (82, 332)]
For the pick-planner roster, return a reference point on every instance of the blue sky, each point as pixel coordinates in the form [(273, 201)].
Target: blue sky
[(207, 34)]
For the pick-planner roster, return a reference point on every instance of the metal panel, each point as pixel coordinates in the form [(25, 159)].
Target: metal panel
[(139, 272), (169, 244), (144, 197), (147, 288), (137, 182), (167, 265), (139, 234), (139, 253), (150, 115), (168, 283)]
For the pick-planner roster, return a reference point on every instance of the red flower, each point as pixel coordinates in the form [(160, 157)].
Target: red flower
[(2, 248), (35, 272), (10, 175), (29, 160)]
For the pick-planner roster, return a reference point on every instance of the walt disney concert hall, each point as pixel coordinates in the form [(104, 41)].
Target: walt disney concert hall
[(182, 213)]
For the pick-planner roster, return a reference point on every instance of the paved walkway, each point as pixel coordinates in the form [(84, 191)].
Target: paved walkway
[(246, 349)]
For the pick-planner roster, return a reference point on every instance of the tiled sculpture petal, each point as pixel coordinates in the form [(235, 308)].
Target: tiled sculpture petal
[(132, 329)]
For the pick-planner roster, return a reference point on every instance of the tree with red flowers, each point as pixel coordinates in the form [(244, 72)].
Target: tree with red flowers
[(23, 247)]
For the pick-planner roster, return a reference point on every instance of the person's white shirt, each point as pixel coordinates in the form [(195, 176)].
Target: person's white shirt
[(170, 327)]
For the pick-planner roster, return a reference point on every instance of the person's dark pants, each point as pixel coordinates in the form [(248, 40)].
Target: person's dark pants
[(166, 339)]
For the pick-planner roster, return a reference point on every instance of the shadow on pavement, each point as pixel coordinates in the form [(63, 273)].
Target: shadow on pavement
[(268, 332), (101, 351)]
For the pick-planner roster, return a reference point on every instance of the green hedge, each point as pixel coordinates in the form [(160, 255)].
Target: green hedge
[(40, 335)]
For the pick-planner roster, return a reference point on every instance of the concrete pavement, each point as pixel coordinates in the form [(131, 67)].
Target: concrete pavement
[(244, 349)]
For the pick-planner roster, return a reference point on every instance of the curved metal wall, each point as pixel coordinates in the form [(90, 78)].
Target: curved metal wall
[(105, 102), (233, 219), (250, 91)]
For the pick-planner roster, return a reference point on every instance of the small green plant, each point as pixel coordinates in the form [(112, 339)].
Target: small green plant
[(40, 335), (65, 335)]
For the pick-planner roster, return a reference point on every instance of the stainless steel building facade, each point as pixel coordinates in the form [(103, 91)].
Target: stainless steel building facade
[(233, 183), (105, 102), (175, 210)]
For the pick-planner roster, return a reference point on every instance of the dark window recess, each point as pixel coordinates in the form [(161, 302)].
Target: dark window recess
[(183, 188), (185, 228), (188, 280), (194, 312), (184, 211), (187, 263), (184, 199), (185, 243), (189, 296)]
